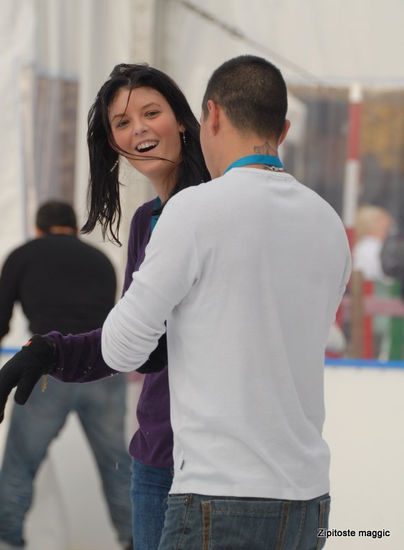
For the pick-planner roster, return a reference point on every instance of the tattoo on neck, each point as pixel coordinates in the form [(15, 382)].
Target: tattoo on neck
[(264, 149)]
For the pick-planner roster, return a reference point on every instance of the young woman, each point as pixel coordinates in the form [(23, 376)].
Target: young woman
[(139, 113)]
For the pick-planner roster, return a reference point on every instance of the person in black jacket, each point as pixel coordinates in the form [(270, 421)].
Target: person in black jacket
[(67, 285)]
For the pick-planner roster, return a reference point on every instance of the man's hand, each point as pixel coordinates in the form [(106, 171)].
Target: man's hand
[(36, 358)]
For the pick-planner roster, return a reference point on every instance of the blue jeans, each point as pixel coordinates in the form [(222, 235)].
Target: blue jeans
[(196, 522), (101, 409), (150, 487)]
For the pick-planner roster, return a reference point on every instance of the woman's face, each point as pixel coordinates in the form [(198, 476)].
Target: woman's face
[(143, 124)]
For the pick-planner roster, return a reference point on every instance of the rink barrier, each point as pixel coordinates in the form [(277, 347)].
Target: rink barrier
[(9, 351), (363, 363), (329, 361)]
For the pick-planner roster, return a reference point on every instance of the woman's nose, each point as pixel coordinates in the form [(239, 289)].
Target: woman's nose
[(139, 128)]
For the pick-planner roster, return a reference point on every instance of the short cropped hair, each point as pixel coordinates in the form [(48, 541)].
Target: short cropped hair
[(252, 92), (55, 213)]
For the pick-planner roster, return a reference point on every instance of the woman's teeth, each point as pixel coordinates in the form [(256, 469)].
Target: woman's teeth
[(146, 146)]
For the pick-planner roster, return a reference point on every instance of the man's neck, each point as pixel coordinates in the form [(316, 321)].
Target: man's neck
[(56, 230), (62, 230), (251, 147)]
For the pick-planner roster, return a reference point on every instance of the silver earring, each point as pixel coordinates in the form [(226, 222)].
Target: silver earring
[(184, 139), (115, 165)]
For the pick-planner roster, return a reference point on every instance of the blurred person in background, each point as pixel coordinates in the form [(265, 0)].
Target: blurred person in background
[(65, 284), (372, 227)]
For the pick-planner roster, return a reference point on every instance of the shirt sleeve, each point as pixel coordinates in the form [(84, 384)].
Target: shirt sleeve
[(78, 357), (133, 327)]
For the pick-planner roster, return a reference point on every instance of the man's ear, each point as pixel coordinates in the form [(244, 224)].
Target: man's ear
[(284, 131), (214, 116), (39, 233)]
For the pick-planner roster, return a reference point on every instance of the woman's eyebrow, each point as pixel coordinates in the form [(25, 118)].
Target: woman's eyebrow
[(118, 115), (121, 115), (150, 104)]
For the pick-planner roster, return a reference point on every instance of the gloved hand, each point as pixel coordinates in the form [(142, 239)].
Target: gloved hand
[(36, 357)]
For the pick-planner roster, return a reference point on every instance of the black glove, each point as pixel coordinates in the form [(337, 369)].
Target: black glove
[(158, 358), (37, 357)]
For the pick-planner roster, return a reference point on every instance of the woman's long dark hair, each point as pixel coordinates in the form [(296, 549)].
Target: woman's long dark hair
[(104, 187)]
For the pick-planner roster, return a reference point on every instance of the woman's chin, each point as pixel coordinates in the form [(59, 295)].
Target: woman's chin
[(147, 165), (154, 169)]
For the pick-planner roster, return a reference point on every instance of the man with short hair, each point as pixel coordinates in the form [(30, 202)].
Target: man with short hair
[(67, 285)]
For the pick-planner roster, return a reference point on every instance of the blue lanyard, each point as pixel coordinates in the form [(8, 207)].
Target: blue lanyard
[(255, 159), (155, 217)]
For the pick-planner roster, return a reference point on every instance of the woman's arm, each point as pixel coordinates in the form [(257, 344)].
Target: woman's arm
[(72, 358), (78, 357)]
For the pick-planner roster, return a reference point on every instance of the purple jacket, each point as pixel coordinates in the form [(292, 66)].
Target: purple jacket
[(80, 360)]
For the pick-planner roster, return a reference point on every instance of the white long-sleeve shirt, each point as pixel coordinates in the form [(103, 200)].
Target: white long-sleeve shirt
[(248, 271)]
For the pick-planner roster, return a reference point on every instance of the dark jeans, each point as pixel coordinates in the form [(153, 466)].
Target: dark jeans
[(150, 486), (196, 522)]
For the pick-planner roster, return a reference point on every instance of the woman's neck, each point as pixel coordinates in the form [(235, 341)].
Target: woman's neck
[(164, 187)]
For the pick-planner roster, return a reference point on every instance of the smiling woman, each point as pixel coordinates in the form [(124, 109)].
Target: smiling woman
[(141, 121), (141, 114)]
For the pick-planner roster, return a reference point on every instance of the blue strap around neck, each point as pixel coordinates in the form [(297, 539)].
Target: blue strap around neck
[(269, 160), (155, 217)]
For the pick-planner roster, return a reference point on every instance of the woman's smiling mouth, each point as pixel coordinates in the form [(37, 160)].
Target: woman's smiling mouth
[(146, 146)]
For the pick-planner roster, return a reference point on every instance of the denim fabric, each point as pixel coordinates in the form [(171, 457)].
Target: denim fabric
[(101, 410), (150, 486), (196, 522)]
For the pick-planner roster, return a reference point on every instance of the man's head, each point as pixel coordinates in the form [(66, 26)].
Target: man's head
[(251, 93), (55, 217)]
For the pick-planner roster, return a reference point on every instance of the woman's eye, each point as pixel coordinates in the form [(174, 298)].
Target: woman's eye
[(151, 114), (121, 123)]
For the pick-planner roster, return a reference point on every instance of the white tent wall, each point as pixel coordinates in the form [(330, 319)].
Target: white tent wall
[(313, 41), (17, 32)]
